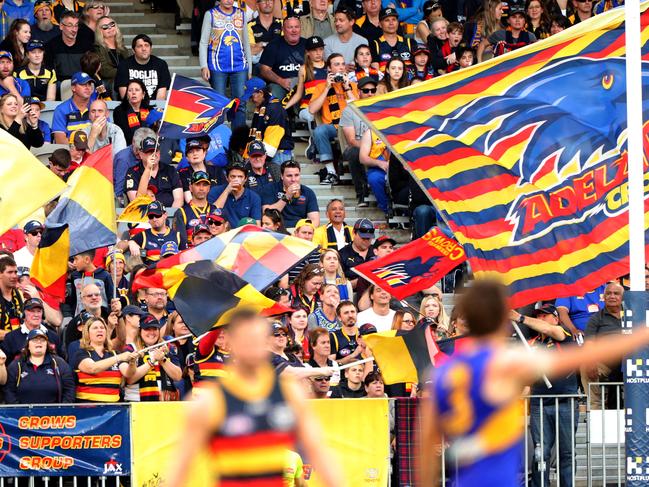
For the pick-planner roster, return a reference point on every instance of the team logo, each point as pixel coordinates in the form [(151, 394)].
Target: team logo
[(637, 371), (404, 272), (213, 112), (113, 467), (637, 468)]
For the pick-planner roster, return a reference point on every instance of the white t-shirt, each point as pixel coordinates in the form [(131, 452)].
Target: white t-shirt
[(382, 323), (24, 258)]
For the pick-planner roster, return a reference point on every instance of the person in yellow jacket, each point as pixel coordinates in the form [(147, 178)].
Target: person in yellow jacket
[(336, 233)]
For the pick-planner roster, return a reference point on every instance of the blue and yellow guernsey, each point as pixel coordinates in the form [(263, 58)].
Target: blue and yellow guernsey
[(485, 438), (226, 50)]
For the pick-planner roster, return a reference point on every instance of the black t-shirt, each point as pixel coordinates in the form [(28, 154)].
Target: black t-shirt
[(66, 60), (342, 344), (363, 27), (382, 52), (216, 174), (285, 60), (165, 182), (261, 34), (349, 258), (154, 74)]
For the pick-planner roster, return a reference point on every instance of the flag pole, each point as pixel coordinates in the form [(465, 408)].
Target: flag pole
[(634, 144), (164, 112), (527, 347), (358, 362)]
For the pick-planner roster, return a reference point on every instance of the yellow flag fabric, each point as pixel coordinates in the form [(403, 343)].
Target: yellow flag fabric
[(136, 210), (26, 185)]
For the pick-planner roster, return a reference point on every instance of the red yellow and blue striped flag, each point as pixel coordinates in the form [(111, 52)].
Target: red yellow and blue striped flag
[(193, 109), (49, 269), (525, 157), (88, 206)]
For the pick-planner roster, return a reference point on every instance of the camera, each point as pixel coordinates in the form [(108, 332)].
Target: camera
[(339, 78)]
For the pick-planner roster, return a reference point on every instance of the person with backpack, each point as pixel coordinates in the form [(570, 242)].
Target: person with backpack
[(510, 39)]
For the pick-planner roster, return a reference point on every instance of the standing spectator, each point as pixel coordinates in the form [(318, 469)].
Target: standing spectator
[(375, 156), (483, 24), (368, 25), (344, 344), (351, 387), (280, 63), (262, 30), (234, 199), (156, 300), (583, 10), (116, 259), (306, 287), (38, 375), (333, 273), (360, 250), (433, 312), (195, 211), (395, 77), (8, 82), (15, 120), (43, 29), (260, 172), (142, 65), (319, 22), (61, 6), (19, 35), (132, 112), (325, 316), (99, 370), (344, 41), (42, 81), (109, 44), (297, 329), (33, 231), (336, 233), (102, 132), (390, 44), (176, 328), (90, 297), (73, 114), (379, 314), (506, 40), (538, 19), (155, 176), (575, 311), (224, 52), (195, 153), (292, 199), (150, 241), (11, 299), (607, 321), (64, 51), (86, 272)]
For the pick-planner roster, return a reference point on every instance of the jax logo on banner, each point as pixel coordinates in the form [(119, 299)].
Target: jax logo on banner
[(637, 468)]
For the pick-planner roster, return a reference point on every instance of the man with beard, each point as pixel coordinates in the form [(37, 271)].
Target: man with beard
[(43, 29)]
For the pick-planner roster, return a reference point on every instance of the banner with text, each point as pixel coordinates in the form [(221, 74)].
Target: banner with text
[(65, 441)]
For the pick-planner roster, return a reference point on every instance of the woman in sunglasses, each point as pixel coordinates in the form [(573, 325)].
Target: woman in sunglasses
[(109, 44)]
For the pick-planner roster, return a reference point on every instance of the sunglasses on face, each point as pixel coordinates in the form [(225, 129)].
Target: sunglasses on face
[(214, 222), (368, 90), (108, 25), (36, 233), (151, 217), (280, 335), (320, 379)]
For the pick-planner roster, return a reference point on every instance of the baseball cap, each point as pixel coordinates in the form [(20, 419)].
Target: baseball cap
[(33, 303), (39, 4), (32, 225), (35, 44), (366, 329), (388, 12), (155, 208), (314, 43), (169, 248), (150, 321), (34, 100), (366, 80), (201, 227), (303, 223), (546, 309), (246, 220), (516, 9), (193, 144), (115, 254), (364, 228), (79, 140), (278, 326), (36, 333), (253, 84), (383, 239), (255, 148), (148, 144), (199, 176), (131, 309), (420, 48), (81, 78), (6, 54)]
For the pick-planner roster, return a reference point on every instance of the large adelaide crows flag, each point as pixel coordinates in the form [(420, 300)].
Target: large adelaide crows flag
[(525, 157)]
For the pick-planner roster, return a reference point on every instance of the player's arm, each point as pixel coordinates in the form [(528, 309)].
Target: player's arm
[(310, 435), (429, 442), (204, 413)]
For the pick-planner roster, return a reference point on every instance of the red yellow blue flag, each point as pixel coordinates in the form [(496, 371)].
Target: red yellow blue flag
[(193, 109), (525, 157)]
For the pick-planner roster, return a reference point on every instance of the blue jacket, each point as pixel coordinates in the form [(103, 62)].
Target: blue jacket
[(51, 382), (411, 14), (24, 11)]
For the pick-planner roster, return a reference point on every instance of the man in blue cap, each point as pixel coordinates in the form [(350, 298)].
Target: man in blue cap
[(196, 153), (73, 114), (9, 83), (259, 172), (149, 244), (33, 231), (42, 81)]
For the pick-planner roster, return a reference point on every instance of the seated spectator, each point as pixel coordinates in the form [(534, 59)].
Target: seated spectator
[(16, 41), (421, 65), (99, 370), (86, 272), (328, 101), (304, 230), (297, 331), (294, 200), (38, 375), (63, 52), (395, 77), (151, 174), (234, 199), (200, 234), (142, 65), (91, 301), (344, 41), (538, 18), (559, 24), (506, 40), (438, 35), (382, 246), (379, 314), (318, 22), (336, 233), (280, 63), (156, 301), (306, 287), (90, 15), (61, 6), (272, 128), (195, 153), (128, 158), (43, 29), (278, 342), (359, 251), (211, 355), (5, 22), (197, 209), (73, 114), (446, 59), (118, 275), (344, 344), (33, 231), (260, 172), (368, 24), (320, 387), (363, 65), (132, 113), (351, 386), (157, 369), (176, 328), (34, 116), (148, 244), (271, 219), (467, 57), (262, 30), (583, 10), (78, 148), (320, 351), (375, 156), (433, 313), (333, 274), (102, 132), (432, 11), (20, 9), (403, 320), (390, 44), (91, 64), (374, 386), (42, 81), (325, 316), (15, 119), (217, 224), (576, 311), (11, 304), (109, 44), (8, 82)]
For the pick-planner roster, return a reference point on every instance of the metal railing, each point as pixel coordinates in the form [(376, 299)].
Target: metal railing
[(61, 481)]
